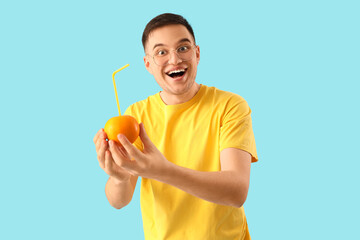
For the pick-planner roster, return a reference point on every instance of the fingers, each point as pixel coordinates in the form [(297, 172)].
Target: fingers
[(97, 135), (133, 151), (101, 153), (108, 162), (144, 137), (117, 173), (122, 158), (118, 154)]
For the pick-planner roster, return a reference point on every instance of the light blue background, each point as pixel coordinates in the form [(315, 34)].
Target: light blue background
[(295, 62)]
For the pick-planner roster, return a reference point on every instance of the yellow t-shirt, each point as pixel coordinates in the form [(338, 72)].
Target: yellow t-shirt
[(192, 135)]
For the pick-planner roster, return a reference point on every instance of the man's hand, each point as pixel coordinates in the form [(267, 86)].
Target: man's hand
[(227, 187), (106, 160), (149, 164)]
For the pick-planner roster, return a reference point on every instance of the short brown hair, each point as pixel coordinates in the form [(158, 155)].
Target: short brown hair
[(163, 20)]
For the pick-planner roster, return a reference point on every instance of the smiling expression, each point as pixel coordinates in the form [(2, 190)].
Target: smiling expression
[(177, 77)]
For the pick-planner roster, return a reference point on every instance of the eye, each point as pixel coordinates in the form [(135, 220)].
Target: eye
[(161, 52), (183, 49)]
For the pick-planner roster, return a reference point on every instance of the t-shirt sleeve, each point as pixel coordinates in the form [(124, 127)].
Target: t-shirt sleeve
[(138, 143), (236, 127)]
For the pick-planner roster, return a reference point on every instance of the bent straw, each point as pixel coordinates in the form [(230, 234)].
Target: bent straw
[(116, 95)]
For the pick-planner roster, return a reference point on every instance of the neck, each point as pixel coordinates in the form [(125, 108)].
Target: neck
[(171, 99)]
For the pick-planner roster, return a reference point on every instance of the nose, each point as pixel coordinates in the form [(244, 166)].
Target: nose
[(174, 58)]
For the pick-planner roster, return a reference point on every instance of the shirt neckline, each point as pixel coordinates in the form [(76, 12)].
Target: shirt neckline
[(187, 104)]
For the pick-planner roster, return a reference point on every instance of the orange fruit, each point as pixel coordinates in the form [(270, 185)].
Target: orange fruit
[(124, 124)]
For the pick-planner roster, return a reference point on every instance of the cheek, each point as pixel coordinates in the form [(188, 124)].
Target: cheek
[(160, 76), (194, 68), (157, 72)]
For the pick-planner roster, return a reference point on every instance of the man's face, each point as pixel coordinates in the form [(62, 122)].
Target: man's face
[(170, 39)]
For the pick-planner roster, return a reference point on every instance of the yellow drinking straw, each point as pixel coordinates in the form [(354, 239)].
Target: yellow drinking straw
[(113, 77)]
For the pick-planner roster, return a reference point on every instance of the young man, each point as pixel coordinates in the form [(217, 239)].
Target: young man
[(195, 155)]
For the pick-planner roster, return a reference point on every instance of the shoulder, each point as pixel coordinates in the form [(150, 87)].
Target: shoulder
[(223, 98), (227, 105)]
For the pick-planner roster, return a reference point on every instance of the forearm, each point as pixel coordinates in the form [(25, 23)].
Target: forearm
[(119, 194), (223, 187)]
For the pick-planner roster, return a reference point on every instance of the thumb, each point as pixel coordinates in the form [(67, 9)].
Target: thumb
[(144, 137)]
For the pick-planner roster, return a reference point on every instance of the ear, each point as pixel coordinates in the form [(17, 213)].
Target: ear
[(197, 54), (147, 64)]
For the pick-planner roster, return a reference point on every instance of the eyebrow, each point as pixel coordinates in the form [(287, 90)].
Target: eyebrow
[(180, 41)]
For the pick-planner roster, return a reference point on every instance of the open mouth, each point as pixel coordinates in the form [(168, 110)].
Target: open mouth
[(176, 73)]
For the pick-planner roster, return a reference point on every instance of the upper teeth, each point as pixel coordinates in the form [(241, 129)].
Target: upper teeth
[(177, 71)]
